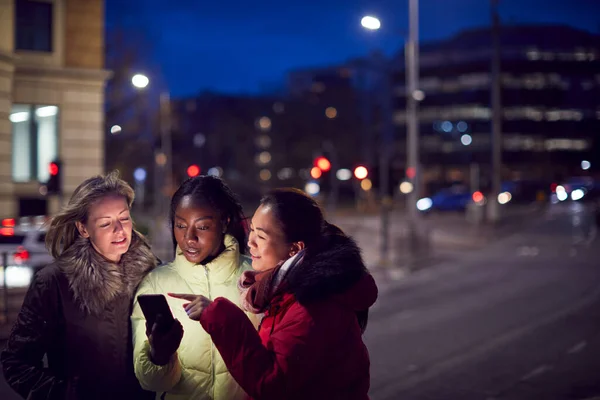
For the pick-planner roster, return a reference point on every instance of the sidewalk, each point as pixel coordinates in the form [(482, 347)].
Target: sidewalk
[(442, 236)]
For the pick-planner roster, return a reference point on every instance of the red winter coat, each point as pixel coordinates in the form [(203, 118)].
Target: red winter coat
[(304, 349)]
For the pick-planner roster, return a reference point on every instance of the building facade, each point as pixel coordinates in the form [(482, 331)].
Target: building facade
[(51, 99), (550, 90)]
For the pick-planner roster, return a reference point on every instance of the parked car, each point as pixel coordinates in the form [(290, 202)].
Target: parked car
[(22, 250)]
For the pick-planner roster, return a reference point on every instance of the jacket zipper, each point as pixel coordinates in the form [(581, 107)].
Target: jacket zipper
[(212, 345)]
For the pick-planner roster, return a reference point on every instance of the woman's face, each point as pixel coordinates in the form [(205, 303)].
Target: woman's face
[(267, 242), (198, 231), (108, 227)]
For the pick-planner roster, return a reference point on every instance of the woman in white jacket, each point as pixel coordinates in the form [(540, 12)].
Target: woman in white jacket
[(208, 232)]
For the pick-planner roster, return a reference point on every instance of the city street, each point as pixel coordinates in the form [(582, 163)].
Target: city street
[(518, 318)]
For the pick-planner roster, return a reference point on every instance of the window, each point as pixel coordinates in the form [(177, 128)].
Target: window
[(33, 25), (34, 141)]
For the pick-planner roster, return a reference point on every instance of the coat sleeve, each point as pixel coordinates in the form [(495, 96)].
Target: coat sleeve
[(156, 378), (266, 373), (33, 334)]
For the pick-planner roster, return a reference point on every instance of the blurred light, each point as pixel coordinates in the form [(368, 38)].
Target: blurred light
[(361, 172), (447, 126), (193, 170), (47, 111), (264, 174), (577, 194), (312, 188), (419, 95), (424, 204), (478, 197), (7, 231), (53, 169), (215, 171), (19, 116), (462, 126), (139, 174), (43, 190), (115, 129), (8, 222), (560, 188), (553, 187), (263, 141), (331, 112), (278, 107), (315, 172), (323, 164), (366, 184), (285, 173), (140, 81), (406, 187), (264, 158), (343, 174), (561, 195), (264, 123), (161, 159), (585, 165), (199, 140), (16, 276), (370, 22), (466, 139), (411, 172), (504, 197)]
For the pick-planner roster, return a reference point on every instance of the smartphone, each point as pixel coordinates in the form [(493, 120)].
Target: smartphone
[(154, 305)]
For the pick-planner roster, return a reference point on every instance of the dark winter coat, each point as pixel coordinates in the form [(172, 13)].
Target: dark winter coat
[(309, 345), (76, 312)]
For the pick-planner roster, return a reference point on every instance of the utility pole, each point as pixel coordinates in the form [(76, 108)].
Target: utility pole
[(496, 100), (385, 152), (412, 121)]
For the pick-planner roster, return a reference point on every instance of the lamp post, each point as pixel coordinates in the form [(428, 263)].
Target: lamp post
[(413, 96), (386, 143), (163, 161)]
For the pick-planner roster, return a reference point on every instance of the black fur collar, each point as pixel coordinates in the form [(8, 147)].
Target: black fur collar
[(329, 268), (96, 281)]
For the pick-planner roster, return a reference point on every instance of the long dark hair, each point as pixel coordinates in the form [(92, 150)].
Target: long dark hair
[(301, 219), (213, 192)]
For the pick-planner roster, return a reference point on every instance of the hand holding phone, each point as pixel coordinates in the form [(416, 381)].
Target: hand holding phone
[(163, 330)]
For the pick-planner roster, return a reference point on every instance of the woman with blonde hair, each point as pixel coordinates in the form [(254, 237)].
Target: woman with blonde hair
[(76, 311)]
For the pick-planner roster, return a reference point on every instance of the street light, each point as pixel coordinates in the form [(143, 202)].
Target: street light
[(370, 23), (140, 81)]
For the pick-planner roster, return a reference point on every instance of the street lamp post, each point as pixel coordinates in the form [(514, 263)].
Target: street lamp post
[(493, 205), (163, 161), (412, 122), (385, 146)]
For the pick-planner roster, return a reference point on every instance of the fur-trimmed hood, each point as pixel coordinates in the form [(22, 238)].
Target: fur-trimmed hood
[(96, 281), (333, 268)]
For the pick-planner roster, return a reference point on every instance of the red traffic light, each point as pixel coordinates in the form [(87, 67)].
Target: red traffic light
[(478, 197), (323, 164), (53, 168), (361, 172), (193, 170)]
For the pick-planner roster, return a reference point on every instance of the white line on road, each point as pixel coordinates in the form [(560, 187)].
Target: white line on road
[(542, 369), (577, 348)]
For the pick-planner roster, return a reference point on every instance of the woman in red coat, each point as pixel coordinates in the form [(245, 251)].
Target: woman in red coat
[(314, 290)]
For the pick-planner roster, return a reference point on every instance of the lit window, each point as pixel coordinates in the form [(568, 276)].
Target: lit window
[(33, 25), (35, 141)]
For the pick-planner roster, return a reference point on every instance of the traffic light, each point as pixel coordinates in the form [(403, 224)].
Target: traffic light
[(323, 163), (193, 170), (54, 184)]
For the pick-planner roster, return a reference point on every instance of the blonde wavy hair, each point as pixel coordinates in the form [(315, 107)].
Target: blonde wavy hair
[(62, 232)]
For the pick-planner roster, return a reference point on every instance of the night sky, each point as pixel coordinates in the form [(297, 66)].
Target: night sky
[(241, 46)]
